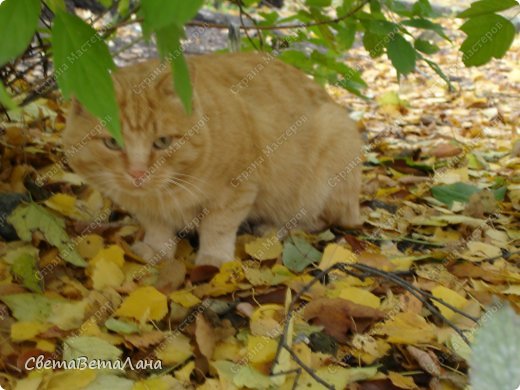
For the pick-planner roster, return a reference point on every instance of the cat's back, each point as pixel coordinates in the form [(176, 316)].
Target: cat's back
[(260, 77)]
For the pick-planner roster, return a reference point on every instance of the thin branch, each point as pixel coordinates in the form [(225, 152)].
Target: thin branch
[(195, 23)]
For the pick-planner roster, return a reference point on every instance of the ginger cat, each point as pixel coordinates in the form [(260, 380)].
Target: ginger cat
[(263, 143)]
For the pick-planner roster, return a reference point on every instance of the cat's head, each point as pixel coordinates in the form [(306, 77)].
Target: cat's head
[(162, 143)]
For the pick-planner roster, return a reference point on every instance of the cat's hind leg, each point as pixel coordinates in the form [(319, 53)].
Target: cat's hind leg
[(342, 207)]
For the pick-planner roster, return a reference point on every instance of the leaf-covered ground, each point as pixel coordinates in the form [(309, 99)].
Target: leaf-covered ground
[(441, 201)]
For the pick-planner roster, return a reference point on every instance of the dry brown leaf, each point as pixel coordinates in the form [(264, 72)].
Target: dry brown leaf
[(427, 360), (145, 340), (205, 336), (338, 316)]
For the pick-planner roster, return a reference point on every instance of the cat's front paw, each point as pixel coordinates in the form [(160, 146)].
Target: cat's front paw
[(144, 251), (215, 261)]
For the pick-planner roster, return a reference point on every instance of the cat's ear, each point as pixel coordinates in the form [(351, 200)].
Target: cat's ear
[(75, 107), (165, 82)]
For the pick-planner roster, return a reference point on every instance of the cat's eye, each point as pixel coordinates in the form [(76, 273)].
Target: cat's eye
[(163, 142), (111, 143)]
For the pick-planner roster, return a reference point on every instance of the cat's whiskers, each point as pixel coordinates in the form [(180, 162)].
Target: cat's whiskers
[(179, 183), (190, 177)]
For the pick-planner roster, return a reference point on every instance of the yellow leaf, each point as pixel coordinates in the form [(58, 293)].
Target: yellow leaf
[(401, 381), (88, 246), (261, 349), (145, 303), (68, 315), (71, 379), (184, 298), (266, 320), (45, 345), (512, 290), (62, 203), (105, 268), (407, 328), (184, 373), (334, 254), (480, 250), (449, 296), (228, 349), (27, 330), (450, 176), (113, 253), (264, 248), (175, 349), (337, 376), (211, 384), (106, 273), (226, 281), (165, 382), (360, 296)]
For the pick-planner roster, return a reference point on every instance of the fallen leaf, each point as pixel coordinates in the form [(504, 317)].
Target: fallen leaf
[(145, 340), (93, 348), (298, 254), (31, 217), (175, 349), (143, 304), (205, 336), (27, 330), (338, 316), (449, 296), (401, 381), (334, 254), (264, 248)]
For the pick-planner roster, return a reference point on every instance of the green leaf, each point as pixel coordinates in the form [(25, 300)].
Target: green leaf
[(374, 43), (500, 193), (437, 69), (400, 8), (28, 218), (381, 27), (423, 8), (93, 348), (346, 34), (162, 13), (83, 63), (28, 307), (106, 3), (56, 5), (123, 6), (5, 99), (488, 36), (425, 46), (25, 267), (18, 22), (68, 315), (483, 7), (298, 254), (375, 8), (120, 326), (182, 82), (427, 25), (495, 357), (297, 59), (450, 193), (461, 192), (169, 44), (318, 3), (402, 54)]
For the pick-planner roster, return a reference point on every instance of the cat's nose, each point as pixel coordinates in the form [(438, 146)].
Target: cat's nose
[(137, 174)]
